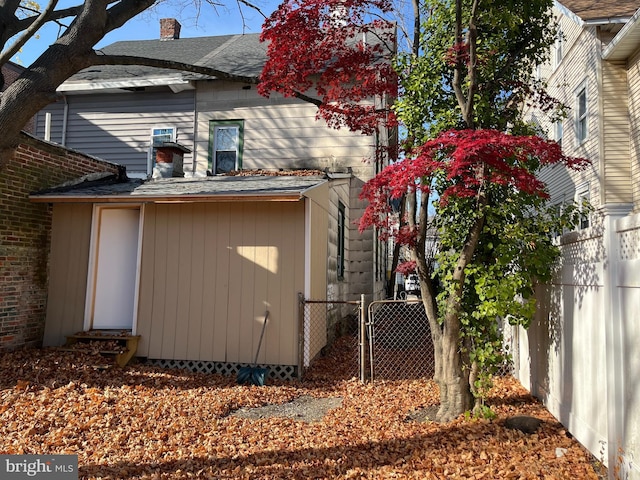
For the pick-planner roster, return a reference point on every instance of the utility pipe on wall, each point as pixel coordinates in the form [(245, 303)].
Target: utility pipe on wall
[(47, 126)]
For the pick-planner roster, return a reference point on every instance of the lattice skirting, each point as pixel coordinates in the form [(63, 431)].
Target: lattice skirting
[(279, 372)]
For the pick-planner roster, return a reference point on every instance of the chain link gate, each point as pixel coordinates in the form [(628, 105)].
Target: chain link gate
[(400, 344)]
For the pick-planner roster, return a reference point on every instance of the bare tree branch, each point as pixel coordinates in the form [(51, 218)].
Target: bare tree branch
[(28, 33), (25, 23), (252, 6)]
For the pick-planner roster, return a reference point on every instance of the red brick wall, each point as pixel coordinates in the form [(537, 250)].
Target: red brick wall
[(25, 229)]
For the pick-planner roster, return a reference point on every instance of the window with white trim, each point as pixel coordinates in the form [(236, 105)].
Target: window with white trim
[(583, 197), (159, 135), (226, 142), (558, 132), (558, 48), (581, 114)]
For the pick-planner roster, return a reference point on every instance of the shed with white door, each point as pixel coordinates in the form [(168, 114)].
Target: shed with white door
[(192, 264)]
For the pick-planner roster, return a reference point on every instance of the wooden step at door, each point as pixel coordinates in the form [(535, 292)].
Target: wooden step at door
[(119, 344)]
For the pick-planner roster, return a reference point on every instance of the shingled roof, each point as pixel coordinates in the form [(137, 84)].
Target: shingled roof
[(594, 10), (217, 188), (241, 54)]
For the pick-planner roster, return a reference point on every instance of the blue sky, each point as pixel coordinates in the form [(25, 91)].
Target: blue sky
[(146, 26)]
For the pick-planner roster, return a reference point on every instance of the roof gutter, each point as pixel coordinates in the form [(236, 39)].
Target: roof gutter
[(289, 197)]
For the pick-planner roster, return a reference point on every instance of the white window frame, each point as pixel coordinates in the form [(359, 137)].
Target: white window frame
[(558, 48), (216, 125), (151, 160), (558, 132), (581, 118), (583, 193)]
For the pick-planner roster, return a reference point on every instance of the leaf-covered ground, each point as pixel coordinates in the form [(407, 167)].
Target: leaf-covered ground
[(145, 422)]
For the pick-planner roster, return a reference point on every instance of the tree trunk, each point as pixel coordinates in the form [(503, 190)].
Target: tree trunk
[(455, 391)]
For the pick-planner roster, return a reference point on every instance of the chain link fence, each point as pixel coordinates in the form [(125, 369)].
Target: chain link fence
[(392, 342), (329, 339)]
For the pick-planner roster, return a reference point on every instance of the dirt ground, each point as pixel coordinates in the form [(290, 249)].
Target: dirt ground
[(144, 422)]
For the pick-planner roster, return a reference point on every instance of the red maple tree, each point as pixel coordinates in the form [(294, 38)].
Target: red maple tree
[(333, 54), (485, 179)]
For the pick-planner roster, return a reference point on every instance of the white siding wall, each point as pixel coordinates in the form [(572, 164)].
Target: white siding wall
[(278, 132), (117, 127), (579, 65)]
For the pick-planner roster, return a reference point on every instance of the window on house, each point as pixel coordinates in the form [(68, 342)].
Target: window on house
[(582, 198), (556, 210), (159, 135), (226, 142), (557, 132), (558, 48), (341, 225), (581, 114)]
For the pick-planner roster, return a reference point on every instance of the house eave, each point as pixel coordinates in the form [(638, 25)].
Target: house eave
[(625, 42), (175, 83), (591, 22)]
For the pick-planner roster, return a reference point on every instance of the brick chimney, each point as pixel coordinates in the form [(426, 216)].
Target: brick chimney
[(169, 29)]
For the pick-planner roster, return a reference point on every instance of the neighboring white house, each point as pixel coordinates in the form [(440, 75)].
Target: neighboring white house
[(581, 355)]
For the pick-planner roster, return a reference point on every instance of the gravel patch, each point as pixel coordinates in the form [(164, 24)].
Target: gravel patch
[(304, 408)]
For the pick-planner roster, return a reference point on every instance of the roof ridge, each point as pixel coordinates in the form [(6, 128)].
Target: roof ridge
[(213, 53)]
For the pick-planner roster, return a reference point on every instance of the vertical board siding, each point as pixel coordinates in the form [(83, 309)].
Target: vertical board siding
[(210, 272), (147, 270), (117, 127), (69, 262), (616, 133)]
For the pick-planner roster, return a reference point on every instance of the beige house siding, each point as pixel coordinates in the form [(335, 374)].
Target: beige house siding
[(634, 114), (69, 261), (278, 132), (579, 67), (338, 288), (209, 272), (318, 232), (615, 133)]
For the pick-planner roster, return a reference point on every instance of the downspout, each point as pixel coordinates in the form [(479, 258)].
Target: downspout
[(65, 118), (194, 155)]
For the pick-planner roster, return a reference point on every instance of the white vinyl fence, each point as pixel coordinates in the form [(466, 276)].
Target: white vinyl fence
[(581, 355)]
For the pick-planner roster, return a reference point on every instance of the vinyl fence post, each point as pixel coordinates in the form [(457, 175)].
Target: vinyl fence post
[(300, 335), (363, 339)]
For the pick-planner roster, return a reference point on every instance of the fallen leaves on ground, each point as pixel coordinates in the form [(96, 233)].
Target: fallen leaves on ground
[(152, 423)]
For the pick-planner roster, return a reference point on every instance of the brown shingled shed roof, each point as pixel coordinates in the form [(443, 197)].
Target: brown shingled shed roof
[(600, 10)]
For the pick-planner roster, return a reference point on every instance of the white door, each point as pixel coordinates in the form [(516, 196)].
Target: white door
[(116, 266)]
